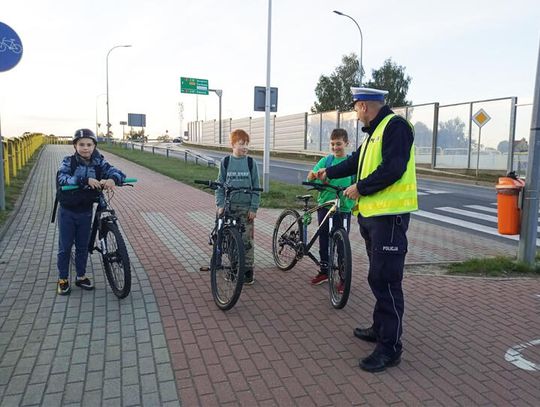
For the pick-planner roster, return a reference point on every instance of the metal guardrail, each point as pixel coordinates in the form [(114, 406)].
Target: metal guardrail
[(177, 152)]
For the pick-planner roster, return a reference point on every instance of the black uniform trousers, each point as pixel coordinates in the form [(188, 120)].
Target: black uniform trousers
[(386, 245)]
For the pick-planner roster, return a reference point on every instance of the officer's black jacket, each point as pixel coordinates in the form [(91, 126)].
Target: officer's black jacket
[(397, 141)]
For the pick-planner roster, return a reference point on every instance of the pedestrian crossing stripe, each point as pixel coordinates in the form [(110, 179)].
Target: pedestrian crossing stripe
[(465, 224)]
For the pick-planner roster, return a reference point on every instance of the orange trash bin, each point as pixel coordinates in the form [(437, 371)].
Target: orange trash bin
[(508, 211)]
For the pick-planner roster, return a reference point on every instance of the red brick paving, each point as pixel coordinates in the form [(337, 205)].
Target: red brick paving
[(283, 344)]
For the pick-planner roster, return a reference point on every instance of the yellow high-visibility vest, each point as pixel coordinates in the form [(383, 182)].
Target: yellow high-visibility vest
[(401, 196)]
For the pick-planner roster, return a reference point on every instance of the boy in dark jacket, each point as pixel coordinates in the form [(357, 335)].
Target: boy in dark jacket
[(88, 169)]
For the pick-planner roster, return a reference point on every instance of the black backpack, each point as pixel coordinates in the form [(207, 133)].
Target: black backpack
[(226, 166), (76, 197)]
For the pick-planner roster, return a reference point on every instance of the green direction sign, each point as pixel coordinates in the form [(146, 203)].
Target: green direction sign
[(194, 86)]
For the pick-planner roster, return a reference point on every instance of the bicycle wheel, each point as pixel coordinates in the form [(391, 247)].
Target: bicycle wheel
[(115, 259), (227, 269), (286, 239), (339, 268)]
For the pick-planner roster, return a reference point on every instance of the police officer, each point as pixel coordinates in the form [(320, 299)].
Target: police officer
[(385, 194)]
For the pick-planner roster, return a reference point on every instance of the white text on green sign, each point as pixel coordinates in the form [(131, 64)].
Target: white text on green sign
[(194, 86)]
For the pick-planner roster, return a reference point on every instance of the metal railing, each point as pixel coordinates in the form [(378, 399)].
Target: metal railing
[(18, 150), (174, 152)]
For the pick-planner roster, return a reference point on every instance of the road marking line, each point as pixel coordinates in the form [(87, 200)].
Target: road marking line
[(513, 355), (465, 224)]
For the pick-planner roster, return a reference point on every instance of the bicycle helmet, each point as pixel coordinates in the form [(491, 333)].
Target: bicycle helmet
[(84, 133)]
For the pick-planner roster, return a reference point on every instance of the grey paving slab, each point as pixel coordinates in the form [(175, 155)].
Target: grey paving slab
[(56, 350)]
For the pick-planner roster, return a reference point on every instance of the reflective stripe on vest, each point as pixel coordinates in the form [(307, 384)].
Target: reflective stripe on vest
[(401, 196)]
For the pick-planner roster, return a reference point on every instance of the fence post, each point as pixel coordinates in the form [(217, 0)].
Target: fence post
[(11, 155), (167, 152), (185, 156), (512, 135), (435, 134)]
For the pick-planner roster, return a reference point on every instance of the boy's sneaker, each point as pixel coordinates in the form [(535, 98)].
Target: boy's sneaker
[(84, 283), (319, 279), (63, 288)]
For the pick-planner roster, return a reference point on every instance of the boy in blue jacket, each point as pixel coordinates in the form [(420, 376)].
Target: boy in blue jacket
[(88, 169)]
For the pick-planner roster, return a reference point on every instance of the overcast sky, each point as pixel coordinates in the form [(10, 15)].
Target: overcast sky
[(454, 51)]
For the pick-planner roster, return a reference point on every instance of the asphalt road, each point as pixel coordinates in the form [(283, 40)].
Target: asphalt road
[(444, 202)]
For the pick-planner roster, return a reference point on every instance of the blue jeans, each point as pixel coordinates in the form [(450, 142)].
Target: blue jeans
[(73, 227), (325, 233)]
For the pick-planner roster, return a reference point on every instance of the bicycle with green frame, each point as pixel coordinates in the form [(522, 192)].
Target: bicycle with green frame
[(290, 242)]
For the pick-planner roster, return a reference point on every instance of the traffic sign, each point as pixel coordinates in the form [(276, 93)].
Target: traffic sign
[(10, 48), (481, 118), (259, 99), (194, 86)]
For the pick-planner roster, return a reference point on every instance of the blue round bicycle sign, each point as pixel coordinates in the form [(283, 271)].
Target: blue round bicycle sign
[(11, 48)]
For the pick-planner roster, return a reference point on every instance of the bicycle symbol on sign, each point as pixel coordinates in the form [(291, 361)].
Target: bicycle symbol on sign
[(10, 44)]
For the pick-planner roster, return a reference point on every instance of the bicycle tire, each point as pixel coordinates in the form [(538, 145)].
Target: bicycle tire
[(287, 236), (339, 268), (227, 268), (115, 259)]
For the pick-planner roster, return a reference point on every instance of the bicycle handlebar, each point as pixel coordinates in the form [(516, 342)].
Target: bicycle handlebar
[(73, 187), (320, 187), (215, 185)]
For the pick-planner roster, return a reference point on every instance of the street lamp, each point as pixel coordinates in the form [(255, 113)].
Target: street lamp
[(97, 122), (361, 41), (107, 82)]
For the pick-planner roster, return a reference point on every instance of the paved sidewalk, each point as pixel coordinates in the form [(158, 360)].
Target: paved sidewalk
[(282, 344)]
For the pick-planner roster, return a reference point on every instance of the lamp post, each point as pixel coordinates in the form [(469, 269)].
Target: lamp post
[(361, 41), (107, 84), (97, 122)]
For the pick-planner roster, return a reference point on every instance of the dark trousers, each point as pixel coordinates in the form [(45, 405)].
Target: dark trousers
[(73, 227), (386, 246), (325, 232)]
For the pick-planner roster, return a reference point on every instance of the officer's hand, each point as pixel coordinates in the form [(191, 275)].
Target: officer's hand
[(352, 192), (321, 174), (107, 184), (94, 183), (251, 216), (220, 211)]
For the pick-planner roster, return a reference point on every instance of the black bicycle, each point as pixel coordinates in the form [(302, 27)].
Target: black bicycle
[(290, 242), (109, 243), (227, 265)]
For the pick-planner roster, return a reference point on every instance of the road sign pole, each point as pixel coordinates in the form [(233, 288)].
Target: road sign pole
[(219, 93), (2, 188), (478, 151), (266, 155), (529, 220)]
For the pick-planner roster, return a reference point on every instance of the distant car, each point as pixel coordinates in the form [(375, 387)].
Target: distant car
[(177, 140)]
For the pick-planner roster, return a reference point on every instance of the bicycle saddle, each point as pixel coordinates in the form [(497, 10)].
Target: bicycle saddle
[(304, 197)]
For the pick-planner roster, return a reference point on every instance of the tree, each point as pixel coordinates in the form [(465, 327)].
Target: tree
[(334, 92), (451, 134), (391, 77), (423, 136)]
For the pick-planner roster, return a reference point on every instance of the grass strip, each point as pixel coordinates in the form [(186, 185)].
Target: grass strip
[(281, 194)]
